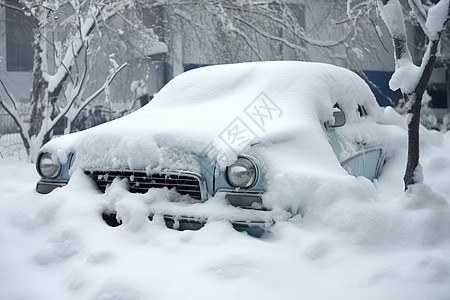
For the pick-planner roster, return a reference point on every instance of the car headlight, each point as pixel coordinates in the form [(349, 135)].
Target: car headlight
[(47, 167), (242, 173)]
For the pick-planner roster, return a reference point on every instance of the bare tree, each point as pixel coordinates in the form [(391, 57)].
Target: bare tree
[(247, 30), (69, 31), (64, 60), (410, 78)]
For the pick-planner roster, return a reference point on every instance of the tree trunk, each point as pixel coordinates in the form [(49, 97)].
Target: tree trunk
[(38, 95), (411, 176)]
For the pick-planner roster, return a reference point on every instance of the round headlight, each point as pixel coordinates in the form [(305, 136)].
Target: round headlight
[(242, 173), (47, 167)]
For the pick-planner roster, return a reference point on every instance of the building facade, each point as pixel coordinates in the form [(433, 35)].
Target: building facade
[(16, 50), (197, 36)]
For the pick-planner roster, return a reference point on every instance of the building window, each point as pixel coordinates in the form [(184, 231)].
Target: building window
[(438, 87), (153, 18), (19, 38), (298, 10)]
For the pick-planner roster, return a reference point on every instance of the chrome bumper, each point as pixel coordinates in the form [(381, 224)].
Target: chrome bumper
[(253, 228), (45, 186)]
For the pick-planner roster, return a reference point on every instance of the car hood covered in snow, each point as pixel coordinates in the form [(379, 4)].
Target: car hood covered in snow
[(278, 107)]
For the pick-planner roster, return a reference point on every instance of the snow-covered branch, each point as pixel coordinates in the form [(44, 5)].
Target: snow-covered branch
[(64, 60), (12, 110), (412, 80), (85, 102), (418, 13), (392, 15), (72, 52)]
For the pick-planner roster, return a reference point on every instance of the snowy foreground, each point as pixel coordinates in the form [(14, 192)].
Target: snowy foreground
[(56, 246)]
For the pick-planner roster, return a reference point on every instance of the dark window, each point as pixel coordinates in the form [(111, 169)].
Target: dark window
[(437, 88), (19, 38), (299, 12), (379, 84), (153, 19)]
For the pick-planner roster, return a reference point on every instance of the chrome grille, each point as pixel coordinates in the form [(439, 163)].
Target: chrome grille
[(185, 183)]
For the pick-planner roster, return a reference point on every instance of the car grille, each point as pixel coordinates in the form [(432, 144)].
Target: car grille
[(185, 183)]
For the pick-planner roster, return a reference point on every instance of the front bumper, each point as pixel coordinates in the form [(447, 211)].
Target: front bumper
[(254, 228), (245, 200), (45, 186)]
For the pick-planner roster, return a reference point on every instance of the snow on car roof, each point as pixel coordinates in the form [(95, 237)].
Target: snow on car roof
[(286, 81), (268, 100)]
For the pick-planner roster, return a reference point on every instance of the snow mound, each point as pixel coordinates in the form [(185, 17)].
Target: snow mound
[(390, 246), (353, 239)]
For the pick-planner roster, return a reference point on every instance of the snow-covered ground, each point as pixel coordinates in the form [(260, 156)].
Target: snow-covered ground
[(56, 246), (354, 239)]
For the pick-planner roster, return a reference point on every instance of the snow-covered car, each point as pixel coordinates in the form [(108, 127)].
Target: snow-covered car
[(247, 143)]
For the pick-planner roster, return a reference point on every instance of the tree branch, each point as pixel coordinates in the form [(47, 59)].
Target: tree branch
[(14, 113), (108, 81), (378, 36), (396, 28), (13, 100), (418, 13)]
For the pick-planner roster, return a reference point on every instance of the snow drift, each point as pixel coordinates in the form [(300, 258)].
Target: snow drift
[(353, 239)]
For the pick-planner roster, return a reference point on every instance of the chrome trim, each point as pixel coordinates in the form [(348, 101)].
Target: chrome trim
[(254, 224), (239, 191), (45, 186), (363, 152), (202, 221), (233, 192), (202, 184), (199, 180), (38, 168), (183, 219), (380, 164)]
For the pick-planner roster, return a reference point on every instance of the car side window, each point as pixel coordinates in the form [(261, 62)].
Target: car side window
[(367, 163)]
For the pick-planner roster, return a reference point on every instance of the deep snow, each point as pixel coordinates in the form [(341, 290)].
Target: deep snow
[(397, 246), (354, 239)]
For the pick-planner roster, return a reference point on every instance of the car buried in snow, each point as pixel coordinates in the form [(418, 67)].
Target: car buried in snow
[(250, 144)]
